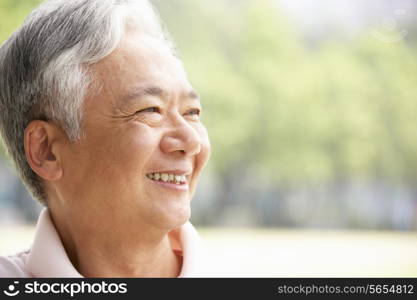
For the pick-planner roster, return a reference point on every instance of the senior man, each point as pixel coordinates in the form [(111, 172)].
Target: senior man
[(104, 128)]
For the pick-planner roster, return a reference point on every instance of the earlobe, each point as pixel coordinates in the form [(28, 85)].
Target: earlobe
[(41, 153)]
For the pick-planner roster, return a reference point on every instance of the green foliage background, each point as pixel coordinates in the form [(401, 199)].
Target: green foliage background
[(293, 111)]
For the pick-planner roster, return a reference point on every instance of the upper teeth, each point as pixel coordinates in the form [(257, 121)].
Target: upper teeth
[(167, 177)]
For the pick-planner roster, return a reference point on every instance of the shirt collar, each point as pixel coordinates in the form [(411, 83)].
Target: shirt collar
[(48, 258)]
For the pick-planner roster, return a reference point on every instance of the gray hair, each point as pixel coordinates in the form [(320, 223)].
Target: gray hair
[(44, 67)]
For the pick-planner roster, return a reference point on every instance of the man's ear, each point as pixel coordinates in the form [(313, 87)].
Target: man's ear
[(41, 141)]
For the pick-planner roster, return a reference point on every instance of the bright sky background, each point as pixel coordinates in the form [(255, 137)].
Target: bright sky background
[(348, 16)]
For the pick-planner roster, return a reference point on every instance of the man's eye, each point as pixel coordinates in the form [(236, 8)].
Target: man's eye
[(194, 111), (149, 109)]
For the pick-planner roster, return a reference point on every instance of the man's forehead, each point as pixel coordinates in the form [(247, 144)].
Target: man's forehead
[(142, 52), (138, 45), (134, 70)]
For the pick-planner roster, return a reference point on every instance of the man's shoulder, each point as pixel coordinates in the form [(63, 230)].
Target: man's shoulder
[(14, 265)]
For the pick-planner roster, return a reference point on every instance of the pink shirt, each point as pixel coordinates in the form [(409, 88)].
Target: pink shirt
[(47, 256)]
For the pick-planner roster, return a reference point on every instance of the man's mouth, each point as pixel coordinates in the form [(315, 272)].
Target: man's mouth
[(168, 177)]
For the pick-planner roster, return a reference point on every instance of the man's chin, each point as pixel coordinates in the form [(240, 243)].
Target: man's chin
[(176, 219)]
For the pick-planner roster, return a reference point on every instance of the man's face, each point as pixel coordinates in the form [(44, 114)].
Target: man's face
[(141, 127)]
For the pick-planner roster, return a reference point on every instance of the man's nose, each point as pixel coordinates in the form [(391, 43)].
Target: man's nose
[(183, 138)]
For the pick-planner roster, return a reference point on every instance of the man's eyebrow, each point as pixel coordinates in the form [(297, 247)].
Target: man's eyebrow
[(142, 91), (153, 90), (193, 95)]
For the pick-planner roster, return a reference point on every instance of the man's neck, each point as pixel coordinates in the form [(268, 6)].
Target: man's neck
[(101, 253), (153, 261)]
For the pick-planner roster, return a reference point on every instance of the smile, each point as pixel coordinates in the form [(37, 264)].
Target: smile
[(170, 181), (168, 178)]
